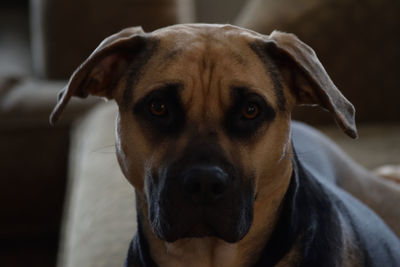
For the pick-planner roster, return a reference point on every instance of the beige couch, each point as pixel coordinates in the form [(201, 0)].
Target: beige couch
[(100, 208)]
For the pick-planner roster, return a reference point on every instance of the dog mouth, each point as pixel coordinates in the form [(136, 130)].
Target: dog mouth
[(227, 231), (229, 219), (200, 194), (200, 230)]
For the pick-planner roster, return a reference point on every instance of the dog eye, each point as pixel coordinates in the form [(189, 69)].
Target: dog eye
[(158, 108), (250, 111)]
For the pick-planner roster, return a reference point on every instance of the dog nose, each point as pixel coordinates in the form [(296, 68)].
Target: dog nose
[(204, 184)]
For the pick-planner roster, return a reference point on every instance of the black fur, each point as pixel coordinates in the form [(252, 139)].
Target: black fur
[(169, 124), (145, 51), (173, 213), (261, 49), (138, 252), (309, 218), (239, 127)]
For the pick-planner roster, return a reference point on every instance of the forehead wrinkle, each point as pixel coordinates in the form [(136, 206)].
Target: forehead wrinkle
[(190, 94), (197, 54), (213, 84), (204, 53), (172, 54), (239, 58), (202, 99)]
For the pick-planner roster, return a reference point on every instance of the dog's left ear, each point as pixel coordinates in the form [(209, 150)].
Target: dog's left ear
[(309, 81), (99, 73)]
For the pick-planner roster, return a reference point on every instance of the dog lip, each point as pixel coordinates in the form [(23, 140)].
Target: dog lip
[(202, 229), (197, 231)]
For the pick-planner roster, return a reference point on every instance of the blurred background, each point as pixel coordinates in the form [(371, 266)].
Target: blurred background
[(57, 197)]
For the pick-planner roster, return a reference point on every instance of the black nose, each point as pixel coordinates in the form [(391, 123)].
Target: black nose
[(204, 184)]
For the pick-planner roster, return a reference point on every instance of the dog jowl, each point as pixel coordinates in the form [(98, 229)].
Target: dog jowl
[(203, 130)]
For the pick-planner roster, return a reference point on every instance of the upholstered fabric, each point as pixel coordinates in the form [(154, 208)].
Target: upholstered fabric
[(99, 218)]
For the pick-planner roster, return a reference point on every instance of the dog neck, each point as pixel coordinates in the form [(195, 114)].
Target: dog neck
[(211, 251)]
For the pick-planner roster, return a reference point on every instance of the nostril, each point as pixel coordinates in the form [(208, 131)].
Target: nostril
[(192, 187), (218, 188)]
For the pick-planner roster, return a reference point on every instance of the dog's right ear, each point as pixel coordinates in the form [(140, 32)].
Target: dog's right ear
[(99, 73), (310, 82)]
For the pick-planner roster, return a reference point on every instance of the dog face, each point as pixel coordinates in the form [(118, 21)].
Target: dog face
[(203, 130), (198, 134)]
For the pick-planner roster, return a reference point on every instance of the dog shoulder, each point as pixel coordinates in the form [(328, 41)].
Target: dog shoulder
[(365, 239)]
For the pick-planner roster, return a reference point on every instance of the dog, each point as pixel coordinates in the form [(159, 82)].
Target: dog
[(205, 136)]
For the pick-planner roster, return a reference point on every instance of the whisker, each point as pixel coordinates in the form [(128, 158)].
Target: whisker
[(101, 149)]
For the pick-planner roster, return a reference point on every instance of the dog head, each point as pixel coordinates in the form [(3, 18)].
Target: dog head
[(204, 119)]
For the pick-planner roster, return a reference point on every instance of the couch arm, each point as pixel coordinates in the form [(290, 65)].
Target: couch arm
[(99, 218)]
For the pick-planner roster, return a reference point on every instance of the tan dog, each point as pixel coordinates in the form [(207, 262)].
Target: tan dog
[(204, 134)]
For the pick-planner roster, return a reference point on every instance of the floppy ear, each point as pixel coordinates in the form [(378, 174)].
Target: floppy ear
[(99, 73), (309, 81)]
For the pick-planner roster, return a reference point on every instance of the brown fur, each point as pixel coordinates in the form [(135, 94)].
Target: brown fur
[(199, 57)]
